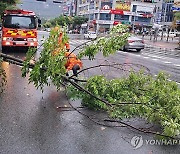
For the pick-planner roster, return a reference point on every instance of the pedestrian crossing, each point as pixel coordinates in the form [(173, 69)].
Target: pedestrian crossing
[(149, 51), (160, 53), (78, 42)]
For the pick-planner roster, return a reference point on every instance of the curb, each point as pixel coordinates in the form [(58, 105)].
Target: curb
[(160, 47)]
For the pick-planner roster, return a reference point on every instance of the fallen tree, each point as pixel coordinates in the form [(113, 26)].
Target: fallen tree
[(138, 94)]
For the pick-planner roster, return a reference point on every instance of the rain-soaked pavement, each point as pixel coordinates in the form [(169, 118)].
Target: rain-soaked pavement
[(32, 122)]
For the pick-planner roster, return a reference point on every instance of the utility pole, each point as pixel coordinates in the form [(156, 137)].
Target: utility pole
[(134, 20), (165, 11)]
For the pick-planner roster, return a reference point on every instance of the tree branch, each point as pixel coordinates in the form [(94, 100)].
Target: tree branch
[(138, 129)]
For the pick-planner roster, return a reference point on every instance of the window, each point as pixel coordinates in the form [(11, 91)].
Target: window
[(134, 8), (19, 22), (105, 16), (121, 17), (91, 16), (96, 16), (91, 6), (141, 19)]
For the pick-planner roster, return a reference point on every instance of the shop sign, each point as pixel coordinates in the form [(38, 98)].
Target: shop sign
[(104, 11), (106, 5), (117, 12), (106, 22), (141, 8), (122, 6)]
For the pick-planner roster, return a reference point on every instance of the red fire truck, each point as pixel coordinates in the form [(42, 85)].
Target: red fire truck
[(19, 29)]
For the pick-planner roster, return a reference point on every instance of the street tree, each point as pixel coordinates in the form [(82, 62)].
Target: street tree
[(5, 4), (138, 94), (176, 18), (47, 24), (61, 21), (177, 15), (77, 21)]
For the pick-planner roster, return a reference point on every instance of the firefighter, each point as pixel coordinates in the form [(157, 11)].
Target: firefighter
[(73, 63)]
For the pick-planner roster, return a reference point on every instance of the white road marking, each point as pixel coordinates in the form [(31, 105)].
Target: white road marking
[(153, 56), (167, 62), (146, 57), (174, 81), (137, 55), (176, 65)]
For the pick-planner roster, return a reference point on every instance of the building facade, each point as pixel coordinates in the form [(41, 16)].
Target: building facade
[(104, 14), (167, 12)]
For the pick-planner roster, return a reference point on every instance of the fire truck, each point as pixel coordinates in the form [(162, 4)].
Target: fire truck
[(19, 29)]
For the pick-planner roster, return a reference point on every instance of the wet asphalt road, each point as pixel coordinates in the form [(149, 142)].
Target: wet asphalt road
[(32, 123)]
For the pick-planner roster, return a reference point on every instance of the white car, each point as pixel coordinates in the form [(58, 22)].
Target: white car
[(171, 34), (90, 35), (48, 29), (134, 43)]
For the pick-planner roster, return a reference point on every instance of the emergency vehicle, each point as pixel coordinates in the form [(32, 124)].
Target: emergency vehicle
[(19, 29)]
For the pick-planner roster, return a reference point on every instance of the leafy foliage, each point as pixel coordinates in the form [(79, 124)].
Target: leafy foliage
[(177, 15), (176, 18), (107, 45), (4, 4), (65, 20), (61, 21), (51, 63), (156, 99), (78, 20)]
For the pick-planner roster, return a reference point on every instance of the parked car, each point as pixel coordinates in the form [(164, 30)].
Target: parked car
[(90, 35), (70, 32), (48, 29), (134, 43), (171, 34)]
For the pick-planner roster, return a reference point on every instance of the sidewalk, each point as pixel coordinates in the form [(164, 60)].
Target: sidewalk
[(163, 44)]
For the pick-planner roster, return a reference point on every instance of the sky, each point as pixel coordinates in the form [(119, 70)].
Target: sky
[(43, 9)]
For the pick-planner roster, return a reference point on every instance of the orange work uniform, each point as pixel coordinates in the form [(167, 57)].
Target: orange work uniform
[(72, 61), (60, 41), (71, 57)]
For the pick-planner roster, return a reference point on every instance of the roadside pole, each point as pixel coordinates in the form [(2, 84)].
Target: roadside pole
[(134, 20)]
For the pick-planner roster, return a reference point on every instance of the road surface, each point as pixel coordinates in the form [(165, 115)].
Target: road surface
[(32, 122)]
